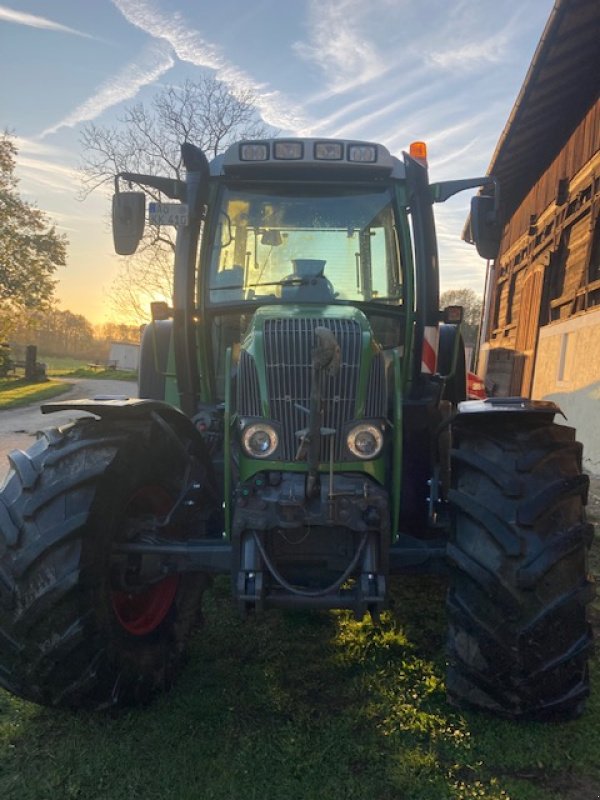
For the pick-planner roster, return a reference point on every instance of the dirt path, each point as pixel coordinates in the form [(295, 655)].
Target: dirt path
[(18, 426)]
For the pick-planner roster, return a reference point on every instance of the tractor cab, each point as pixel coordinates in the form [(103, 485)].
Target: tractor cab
[(297, 241)]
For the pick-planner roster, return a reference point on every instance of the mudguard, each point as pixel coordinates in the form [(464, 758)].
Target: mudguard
[(508, 405), (125, 408), (451, 363)]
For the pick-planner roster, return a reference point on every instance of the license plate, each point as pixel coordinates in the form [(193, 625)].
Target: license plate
[(167, 214)]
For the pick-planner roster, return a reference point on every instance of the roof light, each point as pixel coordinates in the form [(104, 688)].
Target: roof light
[(292, 151), (254, 151), (329, 151), (364, 153), (418, 151)]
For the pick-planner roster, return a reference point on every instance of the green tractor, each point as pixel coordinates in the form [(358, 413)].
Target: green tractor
[(302, 426)]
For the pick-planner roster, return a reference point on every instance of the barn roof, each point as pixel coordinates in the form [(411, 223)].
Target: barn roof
[(562, 83)]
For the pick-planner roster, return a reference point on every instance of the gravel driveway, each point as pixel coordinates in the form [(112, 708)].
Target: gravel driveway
[(18, 426)]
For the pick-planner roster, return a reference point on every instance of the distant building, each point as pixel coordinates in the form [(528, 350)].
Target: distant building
[(124, 355), (541, 325)]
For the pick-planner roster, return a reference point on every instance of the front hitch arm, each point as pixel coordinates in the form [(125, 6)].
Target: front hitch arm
[(150, 559)]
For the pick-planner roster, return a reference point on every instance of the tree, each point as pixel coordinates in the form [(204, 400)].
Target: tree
[(59, 332), (30, 248), (56, 333), (472, 304), (148, 140), (118, 332), (147, 276)]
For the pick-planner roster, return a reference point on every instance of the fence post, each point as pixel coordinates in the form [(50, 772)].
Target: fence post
[(30, 360)]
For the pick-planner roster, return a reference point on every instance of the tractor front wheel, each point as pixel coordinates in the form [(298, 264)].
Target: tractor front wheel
[(70, 634), (518, 636)]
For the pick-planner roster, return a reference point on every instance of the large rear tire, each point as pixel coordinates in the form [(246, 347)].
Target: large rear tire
[(518, 637), (68, 635)]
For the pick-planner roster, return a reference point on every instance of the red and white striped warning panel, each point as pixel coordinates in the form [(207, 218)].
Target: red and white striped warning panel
[(431, 338)]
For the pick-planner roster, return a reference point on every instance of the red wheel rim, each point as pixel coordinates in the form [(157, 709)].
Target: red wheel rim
[(140, 613)]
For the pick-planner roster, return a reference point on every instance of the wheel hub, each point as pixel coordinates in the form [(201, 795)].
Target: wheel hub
[(141, 612)]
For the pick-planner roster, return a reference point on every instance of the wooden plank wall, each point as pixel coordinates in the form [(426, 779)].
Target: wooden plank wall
[(579, 149), (551, 231)]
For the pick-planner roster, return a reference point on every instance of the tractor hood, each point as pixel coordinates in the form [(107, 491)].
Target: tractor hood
[(276, 377)]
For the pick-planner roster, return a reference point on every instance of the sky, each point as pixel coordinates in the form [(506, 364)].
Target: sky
[(391, 71)]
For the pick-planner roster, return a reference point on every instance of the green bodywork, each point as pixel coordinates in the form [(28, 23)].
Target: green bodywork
[(377, 469), (386, 470)]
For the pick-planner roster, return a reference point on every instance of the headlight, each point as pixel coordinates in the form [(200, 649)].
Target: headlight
[(365, 441), (260, 440)]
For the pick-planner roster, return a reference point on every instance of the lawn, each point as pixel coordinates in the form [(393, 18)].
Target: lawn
[(101, 374), (303, 706), (59, 365), (66, 367), (16, 392)]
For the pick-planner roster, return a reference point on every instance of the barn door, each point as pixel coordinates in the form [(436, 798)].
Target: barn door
[(527, 334)]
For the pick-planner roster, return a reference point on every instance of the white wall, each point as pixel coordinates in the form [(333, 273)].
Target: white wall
[(567, 371), (126, 356)]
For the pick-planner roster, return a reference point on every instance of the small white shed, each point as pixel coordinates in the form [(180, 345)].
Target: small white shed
[(124, 355)]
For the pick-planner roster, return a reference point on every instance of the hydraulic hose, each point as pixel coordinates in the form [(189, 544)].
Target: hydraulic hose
[(305, 592)]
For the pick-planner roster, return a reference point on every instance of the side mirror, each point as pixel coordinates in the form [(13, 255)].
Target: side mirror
[(485, 226), (128, 214)]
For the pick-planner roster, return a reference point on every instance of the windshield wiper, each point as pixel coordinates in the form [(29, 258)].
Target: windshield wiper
[(282, 282)]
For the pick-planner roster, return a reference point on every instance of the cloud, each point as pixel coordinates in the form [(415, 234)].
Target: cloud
[(20, 18), (35, 171), (35, 147), (156, 59), (491, 50), (325, 125), (338, 44), (454, 157), (478, 36), (72, 221), (53, 176), (406, 100), (189, 46)]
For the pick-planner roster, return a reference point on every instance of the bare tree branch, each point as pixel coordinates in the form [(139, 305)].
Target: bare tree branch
[(148, 139)]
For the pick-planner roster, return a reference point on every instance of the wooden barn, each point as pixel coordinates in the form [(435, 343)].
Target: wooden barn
[(541, 325)]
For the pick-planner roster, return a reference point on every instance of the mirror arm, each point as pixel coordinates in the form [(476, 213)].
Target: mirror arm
[(442, 191), (172, 187)]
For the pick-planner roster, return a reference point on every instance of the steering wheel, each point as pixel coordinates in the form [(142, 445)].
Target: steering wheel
[(313, 289)]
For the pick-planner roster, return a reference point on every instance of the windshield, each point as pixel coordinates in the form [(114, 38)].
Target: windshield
[(307, 246)]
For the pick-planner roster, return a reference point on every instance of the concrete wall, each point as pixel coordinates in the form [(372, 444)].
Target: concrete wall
[(567, 371)]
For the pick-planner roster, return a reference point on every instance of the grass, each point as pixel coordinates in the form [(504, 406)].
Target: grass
[(303, 706), (16, 392), (101, 374), (60, 365), (66, 367)]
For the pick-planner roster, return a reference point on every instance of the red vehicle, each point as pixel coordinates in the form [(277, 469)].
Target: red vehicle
[(475, 387)]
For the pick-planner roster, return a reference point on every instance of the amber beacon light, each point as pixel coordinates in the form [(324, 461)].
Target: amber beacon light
[(418, 150)]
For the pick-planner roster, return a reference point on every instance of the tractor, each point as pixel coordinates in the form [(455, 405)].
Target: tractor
[(303, 427)]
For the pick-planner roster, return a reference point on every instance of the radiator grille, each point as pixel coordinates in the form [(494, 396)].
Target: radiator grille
[(248, 393), (376, 400), (288, 352)]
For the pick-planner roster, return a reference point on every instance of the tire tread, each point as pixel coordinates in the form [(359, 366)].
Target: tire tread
[(518, 638)]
